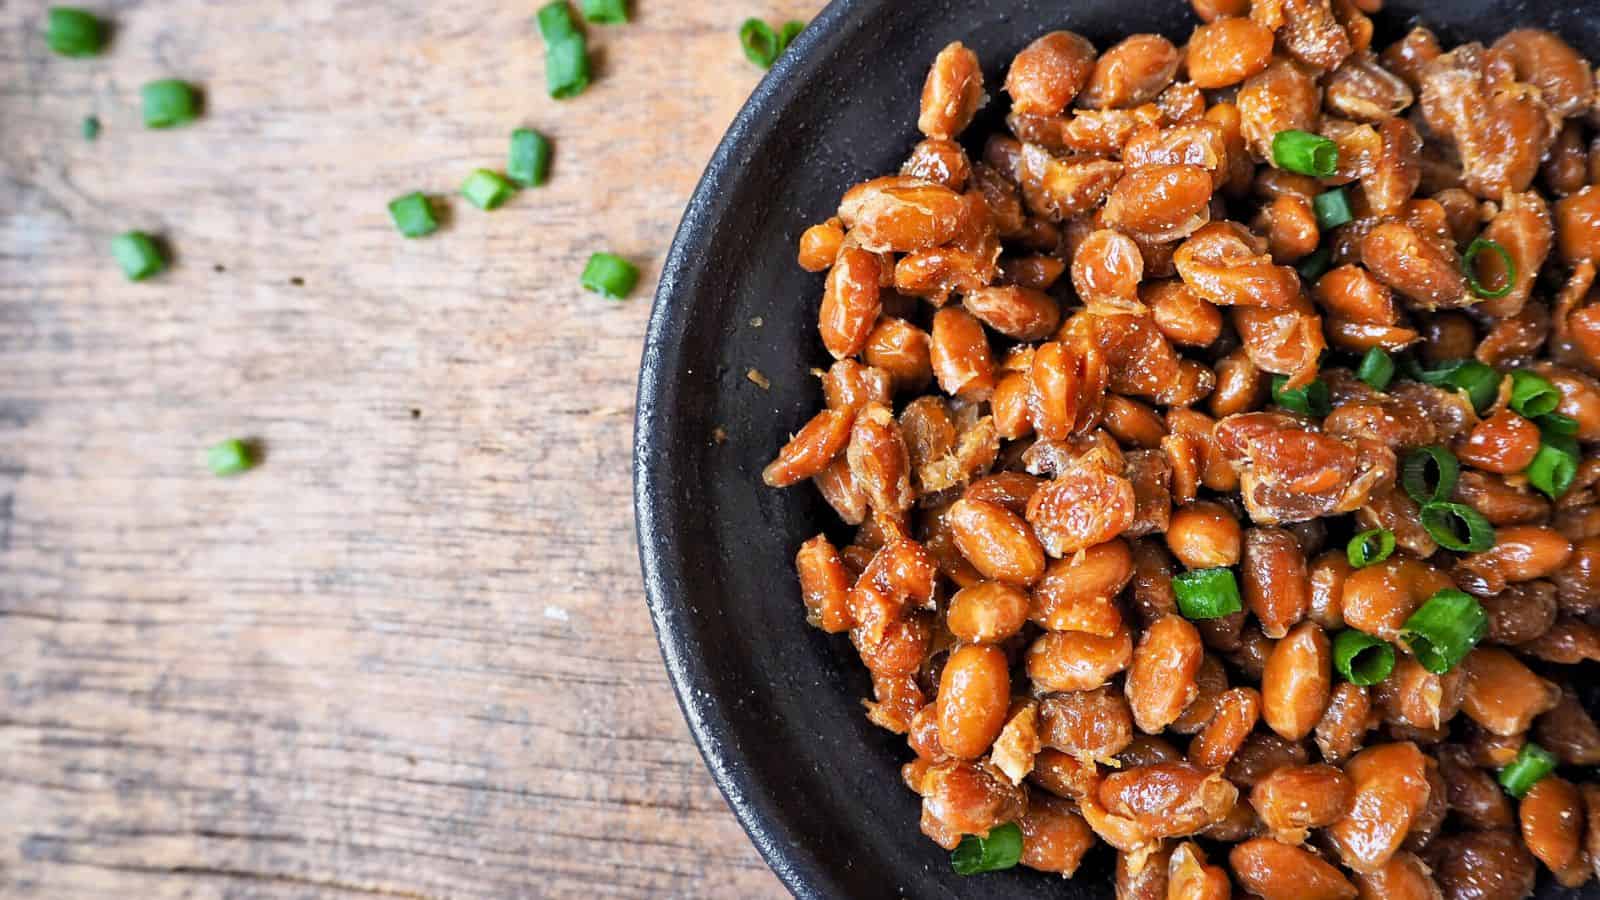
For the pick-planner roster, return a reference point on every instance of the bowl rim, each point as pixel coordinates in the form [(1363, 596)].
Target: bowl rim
[(655, 471)]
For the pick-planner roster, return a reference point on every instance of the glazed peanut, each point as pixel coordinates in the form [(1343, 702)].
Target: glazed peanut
[(1161, 678), (1297, 681), (952, 93)]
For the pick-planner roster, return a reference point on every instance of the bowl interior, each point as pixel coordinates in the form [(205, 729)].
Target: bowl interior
[(774, 704)]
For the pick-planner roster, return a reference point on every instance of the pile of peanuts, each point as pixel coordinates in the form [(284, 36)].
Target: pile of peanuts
[(1052, 394)]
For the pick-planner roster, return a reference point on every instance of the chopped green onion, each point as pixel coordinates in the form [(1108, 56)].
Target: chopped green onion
[(566, 68), (1415, 478), (556, 23), (1556, 423), (413, 215), (74, 32), (1315, 265), (1532, 764), (1440, 521), (91, 127), (791, 30), (230, 458), (1480, 381), (1370, 547), (1376, 369), (1438, 376), (1332, 208), (1311, 400), (760, 42), (1555, 466), (1207, 593), (610, 276), (487, 190), (1361, 658), (529, 164), (169, 102), (1444, 630), (1469, 266), (1000, 849), (137, 254), (1304, 152), (566, 55), (606, 12), (1533, 396)]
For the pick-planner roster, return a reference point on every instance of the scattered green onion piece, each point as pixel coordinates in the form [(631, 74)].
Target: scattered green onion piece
[(1376, 369), (169, 103), (1304, 152), (1469, 267), (1440, 521), (606, 12), (761, 44), (230, 458), (790, 31), (1315, 265), (566, 68), (137, 254), (1333, 209), (529, 164), (1444, 630), (486, 190), (1361, 658), (1558, 424), (1370, 547), (556, 24), (1414, 474), (1533, 396), (1532, 764), (610, 276), (74, 32), (91, 127), (1207, 593), (1311, 400), (1000, 849), (413, 215), (1480, 381), (1555, 466)]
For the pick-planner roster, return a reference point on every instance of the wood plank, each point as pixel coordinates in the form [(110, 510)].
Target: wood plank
[(408, 657)]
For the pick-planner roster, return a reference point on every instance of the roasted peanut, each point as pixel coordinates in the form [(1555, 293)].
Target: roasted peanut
[(1502, 694), (1077, 661), (1297, 681), (952, 93), (1130, 73), (997, 542), (974, 691), (1079, 593), (1054, 837), (959, 354), (1295, 799), (1093, 725), (1227, 51), (987, 613), (1389, 791), (1276, 871), (811, 450), (1161, 678), (1048, 74)]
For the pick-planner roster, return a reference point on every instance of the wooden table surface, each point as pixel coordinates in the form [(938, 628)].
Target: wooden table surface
[(409, 655)]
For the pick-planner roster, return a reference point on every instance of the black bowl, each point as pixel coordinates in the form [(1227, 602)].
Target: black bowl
[(774, 704)]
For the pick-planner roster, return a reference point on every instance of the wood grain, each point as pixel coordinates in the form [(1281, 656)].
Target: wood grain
[(409, 656)]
